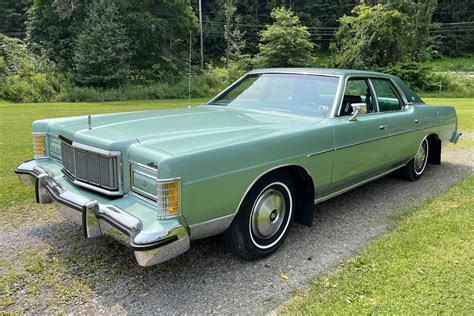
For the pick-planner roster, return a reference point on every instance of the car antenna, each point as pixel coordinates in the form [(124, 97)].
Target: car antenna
[(89, 121)]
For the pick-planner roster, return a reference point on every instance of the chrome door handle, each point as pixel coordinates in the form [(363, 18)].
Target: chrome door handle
[(383, 127), (417, 121)]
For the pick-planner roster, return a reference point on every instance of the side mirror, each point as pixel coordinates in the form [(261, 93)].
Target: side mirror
[(406, 106), (357, 108)]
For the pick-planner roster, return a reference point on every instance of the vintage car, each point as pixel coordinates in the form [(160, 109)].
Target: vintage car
[(256, 157)]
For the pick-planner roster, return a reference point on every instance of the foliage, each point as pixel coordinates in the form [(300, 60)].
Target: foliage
[(374, 37), (234, 39), (13, 17), (21, 75), (457, 38), (102, 49), (422, 45), (285, 43)]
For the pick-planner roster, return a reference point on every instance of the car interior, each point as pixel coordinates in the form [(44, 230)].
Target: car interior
[(357, 91)]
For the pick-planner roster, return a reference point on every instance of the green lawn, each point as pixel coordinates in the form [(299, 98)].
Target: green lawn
[(15, 134), (425, 266)]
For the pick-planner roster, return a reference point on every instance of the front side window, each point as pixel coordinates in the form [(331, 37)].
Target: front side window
[(357, 91), (387, 97), (291, 93)]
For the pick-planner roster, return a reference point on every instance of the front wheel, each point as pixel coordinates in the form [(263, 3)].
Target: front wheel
[(263, 219), (414, 168)]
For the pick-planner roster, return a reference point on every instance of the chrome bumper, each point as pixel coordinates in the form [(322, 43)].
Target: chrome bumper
[(455, 137), (97, 219)]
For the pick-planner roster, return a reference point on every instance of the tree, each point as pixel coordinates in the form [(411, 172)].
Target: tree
[(102, 47), (374, 37), (421, 14), (285, 43), (234, 39), (13, 17)]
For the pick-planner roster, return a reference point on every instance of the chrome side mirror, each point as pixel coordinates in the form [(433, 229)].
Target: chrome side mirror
[(357, 108)]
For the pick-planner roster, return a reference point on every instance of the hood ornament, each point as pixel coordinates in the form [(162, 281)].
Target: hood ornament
[(89, 121)]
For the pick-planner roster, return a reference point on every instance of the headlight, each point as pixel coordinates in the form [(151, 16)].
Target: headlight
[(55, 147), (166, 193), (39, 149)]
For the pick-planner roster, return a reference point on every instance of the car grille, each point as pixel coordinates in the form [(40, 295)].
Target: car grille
[(90, 168)]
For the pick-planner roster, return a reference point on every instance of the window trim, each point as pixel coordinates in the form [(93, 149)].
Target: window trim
[(336, 109)]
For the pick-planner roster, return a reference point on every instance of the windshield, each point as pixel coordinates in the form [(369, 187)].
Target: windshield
[(293, 93)]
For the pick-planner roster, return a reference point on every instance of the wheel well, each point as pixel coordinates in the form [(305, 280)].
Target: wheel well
[(304, 193), (434, 153)]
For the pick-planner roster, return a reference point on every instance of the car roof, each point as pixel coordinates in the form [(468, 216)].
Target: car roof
[(320, 71)]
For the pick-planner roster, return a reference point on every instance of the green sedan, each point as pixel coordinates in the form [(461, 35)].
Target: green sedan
[(256, 157)]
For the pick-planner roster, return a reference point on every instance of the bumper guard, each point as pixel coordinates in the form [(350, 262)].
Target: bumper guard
[(97, 219)]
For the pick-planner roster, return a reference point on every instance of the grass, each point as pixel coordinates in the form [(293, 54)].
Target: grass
[(458, 64), (15, 134), (424, 266)]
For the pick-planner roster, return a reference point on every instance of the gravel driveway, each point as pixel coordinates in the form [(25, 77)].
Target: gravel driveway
[(208, 279)]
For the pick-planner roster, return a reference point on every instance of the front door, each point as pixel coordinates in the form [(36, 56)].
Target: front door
[(361, 146)]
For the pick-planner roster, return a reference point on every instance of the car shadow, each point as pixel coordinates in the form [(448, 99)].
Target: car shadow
[(209, 279)]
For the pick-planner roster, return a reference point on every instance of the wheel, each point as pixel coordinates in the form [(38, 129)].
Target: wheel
[(263, 219), (414, 168)]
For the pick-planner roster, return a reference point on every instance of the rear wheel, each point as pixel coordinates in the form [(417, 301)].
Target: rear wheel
[(414, 168), (263, 219)]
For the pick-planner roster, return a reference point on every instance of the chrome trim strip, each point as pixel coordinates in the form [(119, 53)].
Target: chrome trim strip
[(320, 152), (100, 151), (391, 135), (211, 227), (353, 186)]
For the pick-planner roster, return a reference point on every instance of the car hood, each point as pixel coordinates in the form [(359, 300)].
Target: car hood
[(176, 131)]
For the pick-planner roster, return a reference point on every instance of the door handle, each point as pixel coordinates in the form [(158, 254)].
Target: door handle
[(383, 126), (417, 121)]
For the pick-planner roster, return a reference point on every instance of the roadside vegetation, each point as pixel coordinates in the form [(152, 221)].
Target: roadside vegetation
[(424, 266), (110, 50)]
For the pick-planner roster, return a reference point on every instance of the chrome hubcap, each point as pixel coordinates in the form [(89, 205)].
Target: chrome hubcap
[(420, 157), (268, 214)]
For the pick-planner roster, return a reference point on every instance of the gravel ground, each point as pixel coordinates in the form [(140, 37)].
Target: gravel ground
[(208, 279)]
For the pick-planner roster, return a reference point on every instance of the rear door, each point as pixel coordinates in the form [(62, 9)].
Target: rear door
[(402, 123), (361, 145)]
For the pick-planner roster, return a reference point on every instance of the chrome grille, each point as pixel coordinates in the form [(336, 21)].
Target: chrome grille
[(91, 168)]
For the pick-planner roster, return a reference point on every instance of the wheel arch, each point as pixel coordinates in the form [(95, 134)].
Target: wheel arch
[(304, 191)]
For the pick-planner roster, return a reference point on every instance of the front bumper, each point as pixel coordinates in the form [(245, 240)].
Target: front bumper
[(455, 136), (151, 246)]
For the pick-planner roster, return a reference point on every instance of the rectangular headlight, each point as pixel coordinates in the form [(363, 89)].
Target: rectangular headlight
[(39, 148), (55, 147), (166, 193), (143, 180)]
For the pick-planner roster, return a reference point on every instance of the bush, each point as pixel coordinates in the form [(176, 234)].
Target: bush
[(420, 76)]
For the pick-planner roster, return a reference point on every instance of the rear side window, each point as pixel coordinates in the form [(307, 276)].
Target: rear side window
[(387, 96)]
